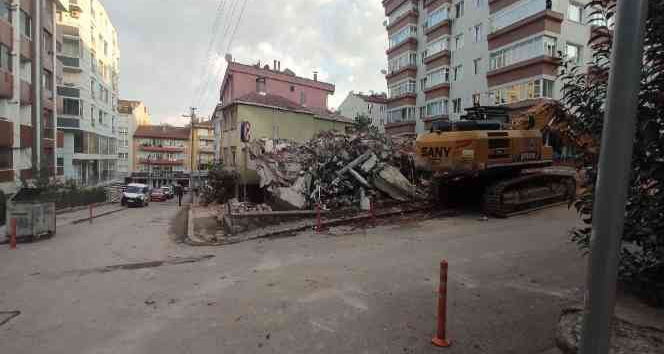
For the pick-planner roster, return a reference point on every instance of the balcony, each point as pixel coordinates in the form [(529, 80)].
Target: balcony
[(26, 136), (392, 5), (445, 53), (409, 71), (544, 21), (161, 148), (542, 65), (437, 91), (6, 133), (68, 30), (7, 176), (74, 6), (161, 162), (409, 17), (70, 64), (6, 84), (409, 44), (6, 31)]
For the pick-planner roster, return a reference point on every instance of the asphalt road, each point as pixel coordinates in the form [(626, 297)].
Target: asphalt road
[(124, 285)]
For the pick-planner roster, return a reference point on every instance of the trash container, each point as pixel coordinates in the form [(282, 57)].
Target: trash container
[(35, 217)]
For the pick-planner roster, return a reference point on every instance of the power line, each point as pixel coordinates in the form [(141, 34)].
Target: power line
[(237, 23), (213, 34), (229, 23)]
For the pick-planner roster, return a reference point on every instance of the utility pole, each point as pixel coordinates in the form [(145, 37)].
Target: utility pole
[(614, 174), (192, 117)]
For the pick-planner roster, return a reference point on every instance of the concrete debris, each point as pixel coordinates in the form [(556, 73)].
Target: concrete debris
[(237, 207), (392, 182), (333, 169)]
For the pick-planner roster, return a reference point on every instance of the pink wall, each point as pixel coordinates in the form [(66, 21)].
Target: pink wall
[(243, 81)]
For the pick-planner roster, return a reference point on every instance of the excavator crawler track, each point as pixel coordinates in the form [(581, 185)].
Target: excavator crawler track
[(527, 193)]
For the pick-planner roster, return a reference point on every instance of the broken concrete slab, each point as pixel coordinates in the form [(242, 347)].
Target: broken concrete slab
[(369, 164), (393, 183)]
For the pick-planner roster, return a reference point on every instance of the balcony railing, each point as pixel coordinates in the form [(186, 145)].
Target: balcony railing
[(510, 15)]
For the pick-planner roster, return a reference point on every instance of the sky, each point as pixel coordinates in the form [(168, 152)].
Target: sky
[(172, 51)]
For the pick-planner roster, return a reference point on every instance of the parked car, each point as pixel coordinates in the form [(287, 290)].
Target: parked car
[(168, 191), (158, 195), (136, 194)]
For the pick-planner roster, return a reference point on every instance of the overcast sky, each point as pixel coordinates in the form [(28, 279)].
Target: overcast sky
[(164, 44)]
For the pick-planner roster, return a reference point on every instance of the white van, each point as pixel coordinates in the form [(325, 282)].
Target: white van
[(136, 194)]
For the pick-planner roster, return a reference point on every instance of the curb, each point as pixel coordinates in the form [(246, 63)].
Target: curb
[(78, 221), (324, 224)]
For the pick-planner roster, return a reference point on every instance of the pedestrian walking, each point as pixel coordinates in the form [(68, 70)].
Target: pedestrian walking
[(179, 191)]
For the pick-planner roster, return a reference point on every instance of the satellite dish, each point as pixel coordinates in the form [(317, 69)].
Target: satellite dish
[(229, 57), (384, 72)]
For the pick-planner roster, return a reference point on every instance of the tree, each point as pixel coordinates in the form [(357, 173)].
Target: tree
[(584, 97), (363, 123)]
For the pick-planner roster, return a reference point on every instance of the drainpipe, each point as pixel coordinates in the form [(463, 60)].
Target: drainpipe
[(16, 87), (37, 111), (54, 87)]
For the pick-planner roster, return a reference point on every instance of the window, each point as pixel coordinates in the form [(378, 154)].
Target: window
[(402, 88), (458, 9), (292, 89), (476, 65), (476, 99), (523, 91), (303, 98), (458, 72), (402, 35), (47, 42), (401, 114), (510, 15), (71, 106), (547, 89), (47, 80), (436, 108), (26, 24), (423, 84), (438, 76), (92, 89), (425, 54), (5, 58), (573, 53), (6, 158), (5, 11), (437, 46), (575, 12), (458, 42), (400, 11), (436, 17), (543, 45), (92, 115), (477, 33), (105, 48), (402, 61), (479, 3), (101, 117), (456, 105)]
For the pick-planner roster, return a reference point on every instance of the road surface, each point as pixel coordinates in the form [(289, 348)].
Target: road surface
[(124, 285)]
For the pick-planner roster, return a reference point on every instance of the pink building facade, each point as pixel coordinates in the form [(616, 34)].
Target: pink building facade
[(241, 79)]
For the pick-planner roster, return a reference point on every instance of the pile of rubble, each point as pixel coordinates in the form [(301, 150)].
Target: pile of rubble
[(335, 170), (237, 207)]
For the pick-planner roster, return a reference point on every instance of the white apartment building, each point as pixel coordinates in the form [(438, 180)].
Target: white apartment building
[(132, 114), (88, 93), (372, 105), (448, 55)]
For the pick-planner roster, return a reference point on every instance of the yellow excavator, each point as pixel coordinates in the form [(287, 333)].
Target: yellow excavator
[(485, 155)]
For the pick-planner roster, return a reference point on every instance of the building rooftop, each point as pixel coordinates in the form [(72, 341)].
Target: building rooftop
[(162, 131), (270, 101), (286, 75), (373, 98), (329, 115)]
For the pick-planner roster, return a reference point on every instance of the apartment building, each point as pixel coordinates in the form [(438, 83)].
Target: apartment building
[(275, 90), (132, 114), (88, 114), (161, 155), (447, 55), (372, 105), (29, 70), (203, 145)]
